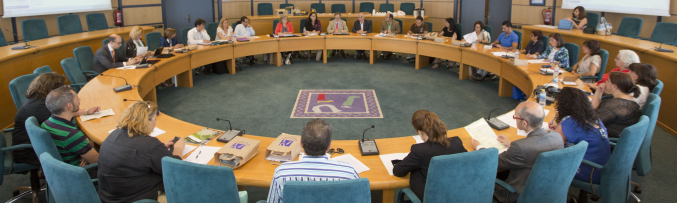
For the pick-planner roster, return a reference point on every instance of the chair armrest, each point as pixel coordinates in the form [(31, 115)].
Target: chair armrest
[(593, 164), (261, 201), (612, 144), (589, 77), (146, 201), (506, 186), (642, 38), (95, 180), (15, 147), (90, 166), (7, 130), (613, 139), (77, 84), (90, 72), (410, 194)]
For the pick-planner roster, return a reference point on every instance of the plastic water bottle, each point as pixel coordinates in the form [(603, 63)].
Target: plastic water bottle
[(304, 30), (555, 72), (541, 98), (517, 54)]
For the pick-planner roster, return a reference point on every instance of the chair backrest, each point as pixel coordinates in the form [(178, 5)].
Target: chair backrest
[(546, 42), (264, 9), (643, 160), (430, 26), (593, 19), (630, 27), (400, 22), (355, 190), (338, 8), (41, 139), (42, 69), (519, 39), (18, 88), (489, 29), (664, 32), (283, 6), (604, 54), (275, 22), (302, 24), (96, 21), (84, 57), (471, 176), (460, 28), (386, 8), (367, 7), (190, 182), (552, 174), (184, 35), (69, 24), (408, 8), (68, 183), (211, 30), (122, 44), (659, 88), (319, 7), (34, 29), (615, 184), (153, 40), (73, 72), (3, 41), (574, 51)]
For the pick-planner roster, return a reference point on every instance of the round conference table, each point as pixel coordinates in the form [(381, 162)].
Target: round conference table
[(258, 172)]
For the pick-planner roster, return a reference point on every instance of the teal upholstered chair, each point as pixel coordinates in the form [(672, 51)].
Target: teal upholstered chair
[(593, 19), (153, 40), (338, 8), (283, 6), (264, 9), (460, 28), (84, 56), (408, 8), (42, 69), (319, 7), (367, 7), (546, 42), (302, 24), (630, 27), (519, 39), (211, 31), (74, 74), (462, 177), (190, 182), (550, 177), (604, 54), (659, 88), (275, 22), (18, 88), (615, 181), (34, 29), (96, 21), (3, 41), (574, 51), (488, 29), (69, 24), (430, 26), (386, 8), (12, 167), (664, 32), (643, 160), (355, 190), (184, 35), (401, 28), (122, 44)]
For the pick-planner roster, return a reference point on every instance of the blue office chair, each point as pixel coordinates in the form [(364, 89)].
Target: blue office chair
[(490, 30), (462, 177), (355, 190), (338, 8), (430, 26), (153, 40), (74, 74), (264, 9), (408, 8), (664, 32), (283, 6), (593, 19), (211, 31), (18, 88), (122, 44), (460, 28), (84, 56), (96, 21), (604, 54), (302, 24), (658, 89), (550, 177), (519, 39), (190, 182), (34, 29), (319, 7), (574, 51), (386, 8), (643, 161), (69, 24), (630, 27), (42, 69), (367, 7), (12, 167), (615, 183), (184, 35), (400, 22), (546, 43), (3, 41)]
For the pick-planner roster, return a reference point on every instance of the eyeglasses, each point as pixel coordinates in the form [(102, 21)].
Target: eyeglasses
[(337, 150), (516, 118)]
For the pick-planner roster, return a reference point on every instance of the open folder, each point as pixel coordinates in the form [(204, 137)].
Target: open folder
[(482, 132)]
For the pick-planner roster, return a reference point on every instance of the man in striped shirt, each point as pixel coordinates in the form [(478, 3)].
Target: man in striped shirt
[(71, 143), (315, 166)]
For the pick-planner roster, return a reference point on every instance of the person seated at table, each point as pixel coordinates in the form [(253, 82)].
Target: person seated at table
[(284, 27), (521, 154), (130, 160), (107, 57), (621, 111), (315, 166), (134, 43), (555, 52), (623, 60), (644, 75), (508, 39), (577, 121), (389, 27), (198, 34), (169, 39), (361, 27), (590, 64), (535, 45), (417, 29), (579, 18), (224, 31), (313, 27), (71, 143), (337, 25), (434, 134), (478, 36), (245, 30), (449, 31)]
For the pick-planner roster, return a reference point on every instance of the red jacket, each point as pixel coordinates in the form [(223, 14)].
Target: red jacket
[(278, 29)]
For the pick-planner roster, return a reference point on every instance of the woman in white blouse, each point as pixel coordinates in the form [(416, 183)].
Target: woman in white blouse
[(224, 32), (644, 76), (479, 35), (589, 65)]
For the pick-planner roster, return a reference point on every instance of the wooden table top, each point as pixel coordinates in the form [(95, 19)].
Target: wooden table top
[(330, 15)]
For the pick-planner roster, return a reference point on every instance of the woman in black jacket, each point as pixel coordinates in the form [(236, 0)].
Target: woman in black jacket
[(134, 41)]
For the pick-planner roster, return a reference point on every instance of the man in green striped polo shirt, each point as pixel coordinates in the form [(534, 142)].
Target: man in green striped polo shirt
[(71, 143)]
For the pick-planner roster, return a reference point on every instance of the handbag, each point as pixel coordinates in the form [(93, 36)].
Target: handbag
[(604, 28), (565, 24)]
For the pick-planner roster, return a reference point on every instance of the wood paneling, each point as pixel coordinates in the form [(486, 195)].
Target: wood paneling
[(139, 2), (349, 5), (439, 9), (527, 2), (235, 10), (303, 4), (673, 7), (142, 15), (647, 26), (527, 15), (438, 24), (672, 19)]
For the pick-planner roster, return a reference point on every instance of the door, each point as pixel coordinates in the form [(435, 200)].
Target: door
[(179, 14), (471, 12), (499, 11)]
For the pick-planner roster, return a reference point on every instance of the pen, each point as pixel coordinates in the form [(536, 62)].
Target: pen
[(198, 154)]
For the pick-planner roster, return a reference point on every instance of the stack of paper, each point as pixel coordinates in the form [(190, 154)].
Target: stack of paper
[(202, 155), (482, 132), (538, 61), (96, 115), (350, 159), (155, 133), (387, 158), (418, 139)]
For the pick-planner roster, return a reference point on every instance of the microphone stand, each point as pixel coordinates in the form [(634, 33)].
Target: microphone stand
[(368, 147)]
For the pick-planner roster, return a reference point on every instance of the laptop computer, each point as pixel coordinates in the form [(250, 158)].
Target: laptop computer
[(158, 53)]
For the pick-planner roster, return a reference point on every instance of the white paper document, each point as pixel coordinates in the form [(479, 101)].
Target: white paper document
[(418, 139), (156, 132), (202, 155), (569, 83), (141, 50), (547, 26), (538, 61), (482, 132), (387, 158), (187, 149), (108, 112), (350, 159)]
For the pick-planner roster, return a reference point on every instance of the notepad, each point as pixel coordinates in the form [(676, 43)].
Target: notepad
[(350, 159), (202, 155), (482, 132), (187, 149), (96, 115), (387, 160)]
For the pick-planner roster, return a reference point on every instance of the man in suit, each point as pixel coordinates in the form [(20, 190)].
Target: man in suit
[(521, 154), (107, 58), (389, 27), (337, 26), (361, 26)]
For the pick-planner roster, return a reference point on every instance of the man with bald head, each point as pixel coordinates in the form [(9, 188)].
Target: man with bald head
[(107, 57), (361, 26), (521, 154)]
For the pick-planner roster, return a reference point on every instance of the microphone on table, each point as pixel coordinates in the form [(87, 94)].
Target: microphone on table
[(120, 88), (230, 134), (130, 100), (25, 46), (658, 49), (495, 123), (368, 147)]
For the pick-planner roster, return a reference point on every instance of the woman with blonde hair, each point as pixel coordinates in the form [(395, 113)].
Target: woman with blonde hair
[(434, 134), (134, 42), (224, 31), (169, 39), (130, 166)]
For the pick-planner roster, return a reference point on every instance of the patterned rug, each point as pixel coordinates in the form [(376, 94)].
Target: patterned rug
[(336, 104)]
